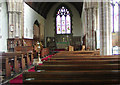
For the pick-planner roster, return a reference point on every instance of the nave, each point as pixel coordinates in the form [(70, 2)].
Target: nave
[(72, 67), (59, 42)]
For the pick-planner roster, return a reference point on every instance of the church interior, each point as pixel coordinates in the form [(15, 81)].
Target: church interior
[(54, 43)]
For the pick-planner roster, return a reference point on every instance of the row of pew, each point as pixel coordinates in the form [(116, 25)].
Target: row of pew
[(13, 63), (76, 68)]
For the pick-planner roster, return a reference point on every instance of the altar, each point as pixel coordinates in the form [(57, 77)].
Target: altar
[(62, 45)]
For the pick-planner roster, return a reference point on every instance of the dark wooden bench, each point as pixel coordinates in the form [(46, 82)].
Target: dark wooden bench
[(85, 58), (76, 70), (65, 77), (79, 52), (16, 60), (6, 67), (28, 58), (76, 62), (78, 67), (74, 82), (28, 53), (78, 55)]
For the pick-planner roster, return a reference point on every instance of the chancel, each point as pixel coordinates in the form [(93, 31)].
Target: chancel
[(59, 43)]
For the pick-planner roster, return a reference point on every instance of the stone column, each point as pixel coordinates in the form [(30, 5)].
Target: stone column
[(21, 18), (10, 14), (97, 28), (119, 15), (86, 26), (105, 35), (93, 27), (11, 29), (109, 30), (17, 25), (90, 28), (17, 20), (104, 29), (15, 12), (101, 19), (0, 20), (119, 24)]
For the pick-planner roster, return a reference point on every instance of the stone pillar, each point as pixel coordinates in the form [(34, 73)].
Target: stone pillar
[(11, 27), (104, 29), (17, 28), (21, 18), (0, 20), (91, 24), (19, 25), (86, 26), (14, 23), (105, 34), (109, 30), (119, 15), (90, 28), (15, 12), (97, 28), (119, 24), (101, 27), (93, 27)]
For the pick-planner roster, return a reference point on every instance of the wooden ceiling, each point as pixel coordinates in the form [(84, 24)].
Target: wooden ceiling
[(44, 7)]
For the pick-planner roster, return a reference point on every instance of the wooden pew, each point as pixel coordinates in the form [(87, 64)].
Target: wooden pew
[(26, 50), (74, 82), (96, 52), (85, 58), (16, 57), (12, 59), (78, 67), (76, 62), (79, 55), (32, 57), (28, 58), (76, 70), (65, 77), (6, 65), (23, 62)]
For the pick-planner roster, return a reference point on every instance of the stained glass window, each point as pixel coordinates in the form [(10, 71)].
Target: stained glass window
[(63, 21)]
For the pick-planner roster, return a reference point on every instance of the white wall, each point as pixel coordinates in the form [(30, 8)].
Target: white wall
[(50, 21), (3, 27), (30, 16)]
